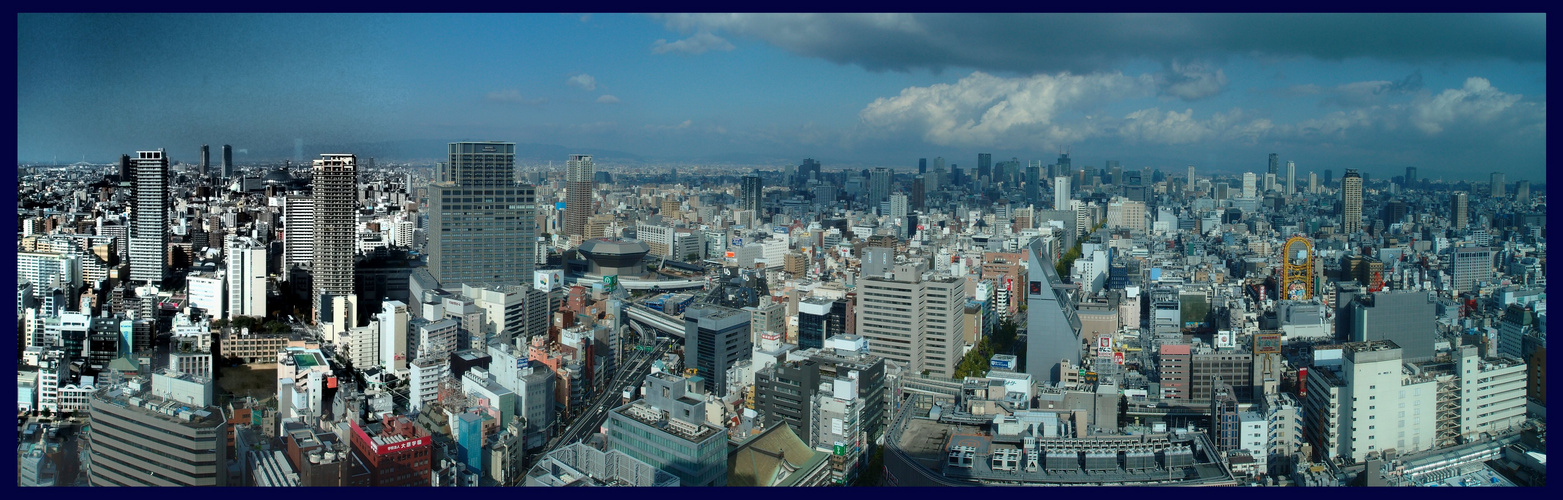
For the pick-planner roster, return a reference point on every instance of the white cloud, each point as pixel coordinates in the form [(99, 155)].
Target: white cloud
[(681, 126), (985, 110), (608, 99), (697, 44), (1477, 101), (511, 96), (1151, 125), (583, 81)]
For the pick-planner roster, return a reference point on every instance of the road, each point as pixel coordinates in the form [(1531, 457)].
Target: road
[(593, 416)]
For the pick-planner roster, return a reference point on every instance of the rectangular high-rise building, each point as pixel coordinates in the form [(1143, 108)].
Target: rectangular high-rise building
[(913, 319), (148, 216), (1410, 177), (750, 195), (878, 186), (984, 165), (482, 224), (298, 231), (578, 194), (1250, 184), (246, 277), (1522, 191), (1275, 164), (922, 165), (1033, 182), (1498, 182), (1469, 266), (227, 161), (715, 337), (1351, 202), (1291, 178), (1459, 210), (1061, 193), (335, 228), (206, 158)]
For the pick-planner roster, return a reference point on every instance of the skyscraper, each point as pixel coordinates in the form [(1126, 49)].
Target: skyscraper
[(1275, 164), (1459, 208), (750, 194), (1522, 191), (1497, 184), (1291, 178), (298, 231), (919, 193), (1191, 178), (926, 334), (922, 165), (246, 277), (335, 227), (1034, 182), (148, 216), (985, 165), (1061, 193), (1064, 167), (1351, 202), (1313, 183), (1250, 184), (578, 196), (482, 224), (1329, 175), (1411, 177), (227, 161), (206, 158), (878, 186)]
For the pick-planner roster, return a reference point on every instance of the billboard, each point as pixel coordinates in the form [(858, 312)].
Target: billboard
[(1002, 362), (1267, 343), (610, 283), (1118, 358), (559, 206), (1104, 346), (1225, 339), (548, 280)]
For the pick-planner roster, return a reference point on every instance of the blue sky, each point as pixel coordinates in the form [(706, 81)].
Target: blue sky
[(1455, 95)]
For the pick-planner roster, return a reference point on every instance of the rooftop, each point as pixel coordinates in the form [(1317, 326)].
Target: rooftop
[(644, 413)]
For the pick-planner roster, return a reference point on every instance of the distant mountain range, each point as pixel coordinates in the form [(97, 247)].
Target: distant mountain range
[(429, 150)]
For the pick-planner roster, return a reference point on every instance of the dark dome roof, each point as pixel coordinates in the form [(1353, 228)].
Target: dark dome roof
[(278, 176)]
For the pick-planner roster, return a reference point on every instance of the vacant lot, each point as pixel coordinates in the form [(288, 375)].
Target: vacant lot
[(244, 380)]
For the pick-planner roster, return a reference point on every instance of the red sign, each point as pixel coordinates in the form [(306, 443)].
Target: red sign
[(1302, 382), (402, 445), (1118, 358)]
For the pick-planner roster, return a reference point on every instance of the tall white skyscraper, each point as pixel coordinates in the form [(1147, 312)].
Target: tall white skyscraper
[(335, 229), (898, 205), (298, 231), (1061, 193), (1250, 182), (1291, 178), (246, 277), (1313, 182), (148, 216)]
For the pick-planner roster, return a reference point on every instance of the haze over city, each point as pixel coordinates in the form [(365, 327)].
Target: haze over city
[(1376, 92)]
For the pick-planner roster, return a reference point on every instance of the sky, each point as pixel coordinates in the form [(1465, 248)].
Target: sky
[(1457, 96)]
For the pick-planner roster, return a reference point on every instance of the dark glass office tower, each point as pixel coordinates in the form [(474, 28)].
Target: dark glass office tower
[(750, 194), (482, 224)]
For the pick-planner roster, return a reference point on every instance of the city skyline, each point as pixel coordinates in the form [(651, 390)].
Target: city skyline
[(1216, 91)]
